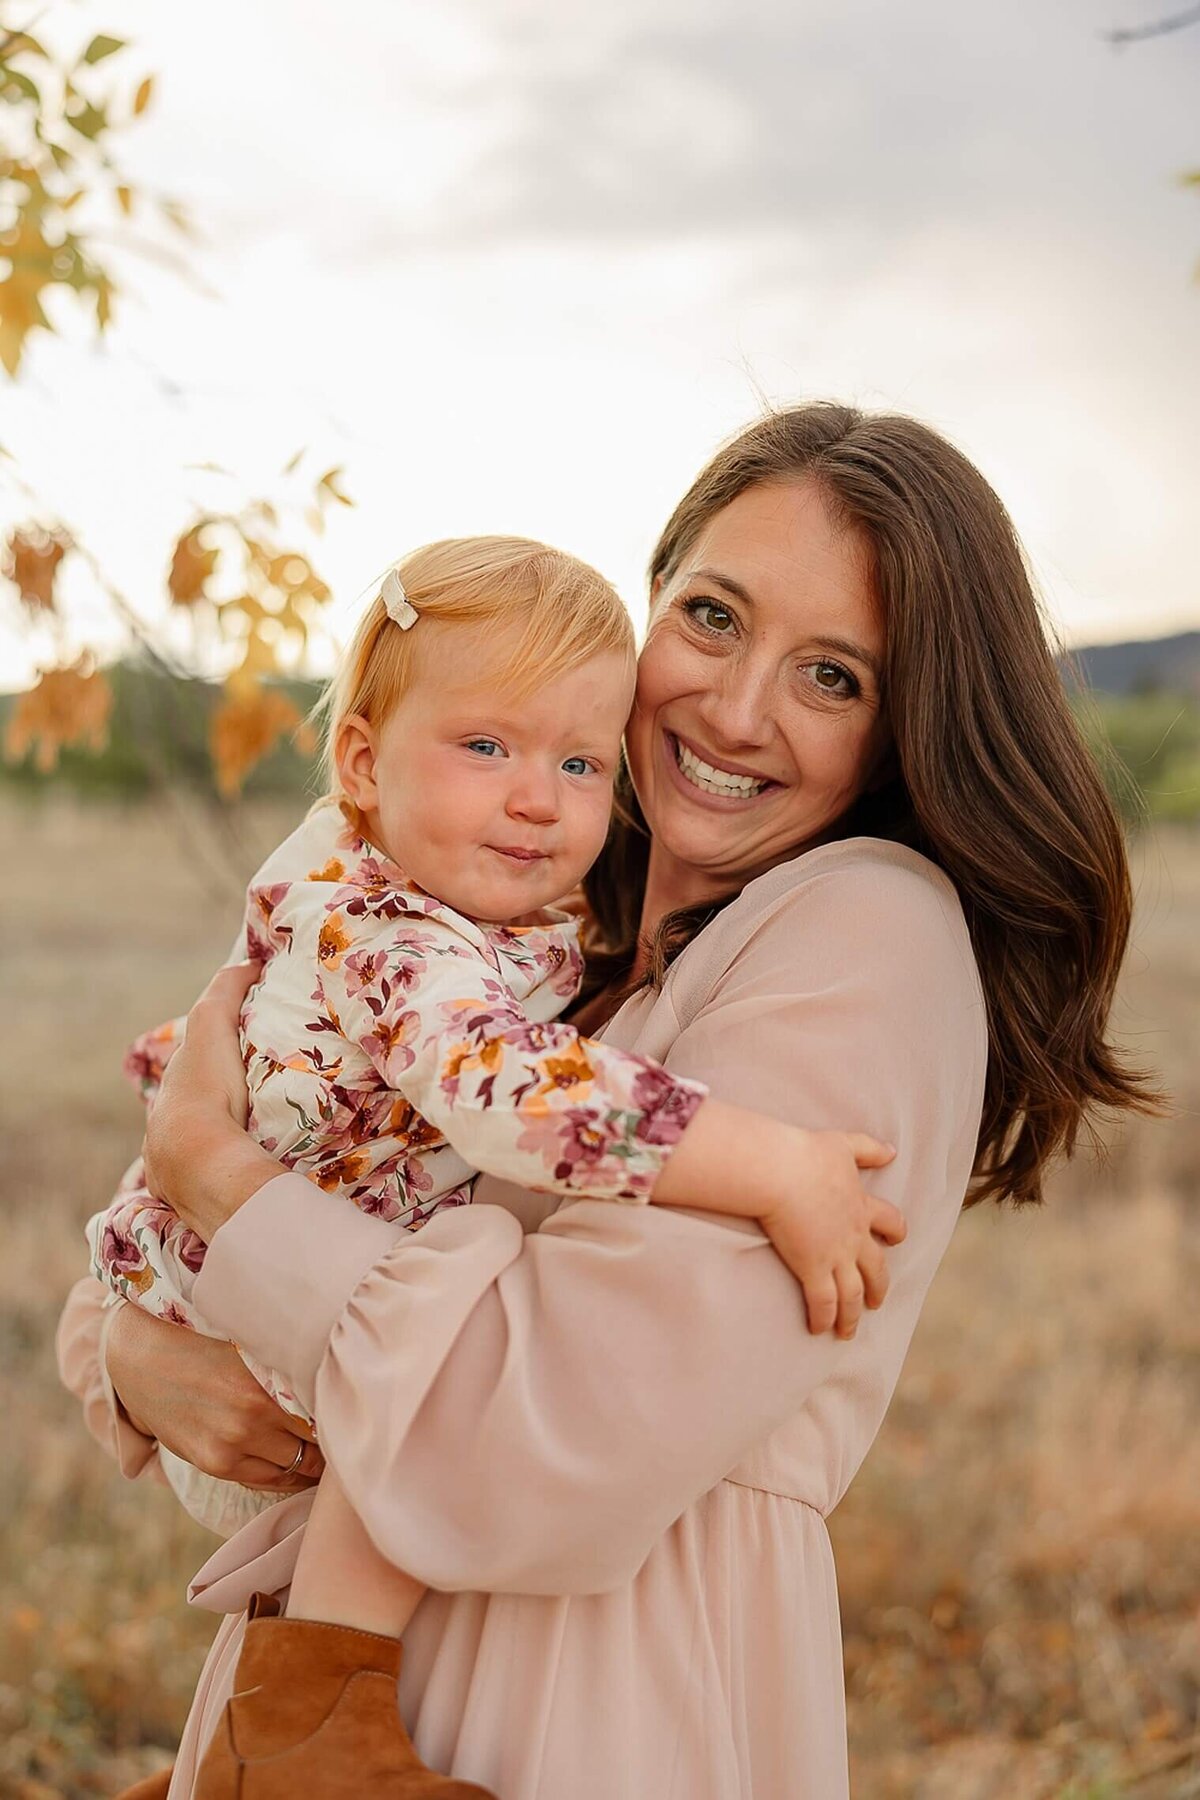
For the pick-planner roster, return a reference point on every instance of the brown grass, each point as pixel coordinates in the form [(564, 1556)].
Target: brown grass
[(1019, 1558)]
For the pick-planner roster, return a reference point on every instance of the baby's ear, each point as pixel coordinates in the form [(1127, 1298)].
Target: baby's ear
[(354, 750)]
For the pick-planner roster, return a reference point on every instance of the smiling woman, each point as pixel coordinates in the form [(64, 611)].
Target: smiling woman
[(841, 610), (749, 735)]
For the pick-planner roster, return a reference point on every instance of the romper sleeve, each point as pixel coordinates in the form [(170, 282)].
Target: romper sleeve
[(531, 1102), (531, 1414)]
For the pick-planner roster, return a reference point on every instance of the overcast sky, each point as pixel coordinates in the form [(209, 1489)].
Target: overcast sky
[(521, 264)]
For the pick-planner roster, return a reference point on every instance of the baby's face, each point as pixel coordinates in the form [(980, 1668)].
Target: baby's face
[(497, 803)]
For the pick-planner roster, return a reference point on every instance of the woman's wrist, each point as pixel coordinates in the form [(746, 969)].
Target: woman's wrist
[(230, 1168), (115, 1344), (208, 1168)]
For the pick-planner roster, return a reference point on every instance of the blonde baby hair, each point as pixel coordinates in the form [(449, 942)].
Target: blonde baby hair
[(565, 611)]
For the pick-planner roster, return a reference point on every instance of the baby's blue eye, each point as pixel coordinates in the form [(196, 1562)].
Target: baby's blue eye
[(485, 746), (577, 765)]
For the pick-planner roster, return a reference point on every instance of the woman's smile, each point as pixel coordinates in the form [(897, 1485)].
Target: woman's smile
[(710, 780)]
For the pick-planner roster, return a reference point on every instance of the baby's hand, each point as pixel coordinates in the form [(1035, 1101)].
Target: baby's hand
[(828, 1229), (803, 1187)]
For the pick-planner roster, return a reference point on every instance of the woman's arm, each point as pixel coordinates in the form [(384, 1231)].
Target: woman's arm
[(142, 1382), (530, 1414)]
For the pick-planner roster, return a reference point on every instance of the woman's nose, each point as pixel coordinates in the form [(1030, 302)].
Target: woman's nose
[(738, 706)]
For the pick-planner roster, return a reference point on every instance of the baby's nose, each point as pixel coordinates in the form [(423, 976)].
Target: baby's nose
[(534, 797)]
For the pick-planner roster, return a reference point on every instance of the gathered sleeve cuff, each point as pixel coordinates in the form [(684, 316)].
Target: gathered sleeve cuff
[(292, 1263), (80, 1348)]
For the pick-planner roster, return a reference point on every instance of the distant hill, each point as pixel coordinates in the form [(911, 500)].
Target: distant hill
[(1167, 665)]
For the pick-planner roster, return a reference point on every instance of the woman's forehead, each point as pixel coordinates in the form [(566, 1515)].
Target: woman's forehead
[(782, 553)]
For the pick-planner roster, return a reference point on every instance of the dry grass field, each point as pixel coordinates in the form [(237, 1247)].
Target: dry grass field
[(1019, 1559)]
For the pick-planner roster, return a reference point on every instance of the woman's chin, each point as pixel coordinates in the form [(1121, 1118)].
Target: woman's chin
[(704, 846)]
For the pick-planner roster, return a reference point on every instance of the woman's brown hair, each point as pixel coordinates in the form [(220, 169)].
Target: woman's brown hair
[(993, 780)]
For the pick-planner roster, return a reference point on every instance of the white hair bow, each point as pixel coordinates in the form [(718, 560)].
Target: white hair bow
[(396, 602)]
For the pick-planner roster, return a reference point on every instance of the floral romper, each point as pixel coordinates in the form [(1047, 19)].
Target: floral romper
[(393, 1048)]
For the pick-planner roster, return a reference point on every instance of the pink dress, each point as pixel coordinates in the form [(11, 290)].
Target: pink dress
[(601, 1434)]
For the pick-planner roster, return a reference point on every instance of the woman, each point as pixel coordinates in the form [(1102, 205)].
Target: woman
[(867, 876)]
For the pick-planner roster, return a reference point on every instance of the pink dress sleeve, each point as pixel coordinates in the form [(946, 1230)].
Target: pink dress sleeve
[(79, 1345), (529, 1414)]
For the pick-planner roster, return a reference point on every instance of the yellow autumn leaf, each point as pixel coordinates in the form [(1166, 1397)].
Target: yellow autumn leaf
[(192, 566), (245, 606), (68, 706), (20, 311), (244, 729), (141, 99), (31, 559), (258, 659), (125, 199)]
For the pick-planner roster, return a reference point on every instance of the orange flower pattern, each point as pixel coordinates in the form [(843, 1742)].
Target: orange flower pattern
[(394, 1048)]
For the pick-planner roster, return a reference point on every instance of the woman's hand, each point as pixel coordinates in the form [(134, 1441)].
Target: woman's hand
[(197, 1152), (195, 1395)]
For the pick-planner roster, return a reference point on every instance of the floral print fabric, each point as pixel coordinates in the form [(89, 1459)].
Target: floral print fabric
[(393, 1048)]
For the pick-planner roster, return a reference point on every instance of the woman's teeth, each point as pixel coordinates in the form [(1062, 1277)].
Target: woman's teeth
[(715, 781)]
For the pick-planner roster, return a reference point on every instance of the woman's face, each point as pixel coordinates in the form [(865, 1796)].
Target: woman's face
[(758, 716)]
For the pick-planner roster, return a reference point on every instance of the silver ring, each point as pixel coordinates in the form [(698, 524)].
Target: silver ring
[(297, 1459)]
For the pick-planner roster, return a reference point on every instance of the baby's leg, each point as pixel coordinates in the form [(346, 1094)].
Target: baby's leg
[(341, 1578), (314, 1708)]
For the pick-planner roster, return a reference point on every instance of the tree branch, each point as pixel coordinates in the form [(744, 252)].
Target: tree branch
[(1136, 34)]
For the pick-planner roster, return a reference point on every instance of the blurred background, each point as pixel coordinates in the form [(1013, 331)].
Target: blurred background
[(284, 293)]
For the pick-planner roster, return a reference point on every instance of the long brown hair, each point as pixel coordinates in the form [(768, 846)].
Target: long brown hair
[(993, 780)]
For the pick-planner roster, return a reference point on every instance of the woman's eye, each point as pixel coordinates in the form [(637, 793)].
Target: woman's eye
[(711, 616), (484, 746), (831, 678), (577, 765)]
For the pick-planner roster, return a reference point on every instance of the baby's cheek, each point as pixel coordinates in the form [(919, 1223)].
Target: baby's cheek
[(598, 824)]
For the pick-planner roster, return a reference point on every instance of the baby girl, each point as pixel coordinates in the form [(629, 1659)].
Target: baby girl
[(405, 1035)]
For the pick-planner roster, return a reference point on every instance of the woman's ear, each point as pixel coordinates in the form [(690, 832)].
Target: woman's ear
[(354, 752)]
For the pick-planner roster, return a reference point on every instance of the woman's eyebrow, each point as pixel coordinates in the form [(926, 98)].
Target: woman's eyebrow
[(847, 647), (726, 581)]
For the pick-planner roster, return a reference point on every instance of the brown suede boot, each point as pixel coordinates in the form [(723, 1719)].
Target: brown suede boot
[(314, 1712), (153, 1787)]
